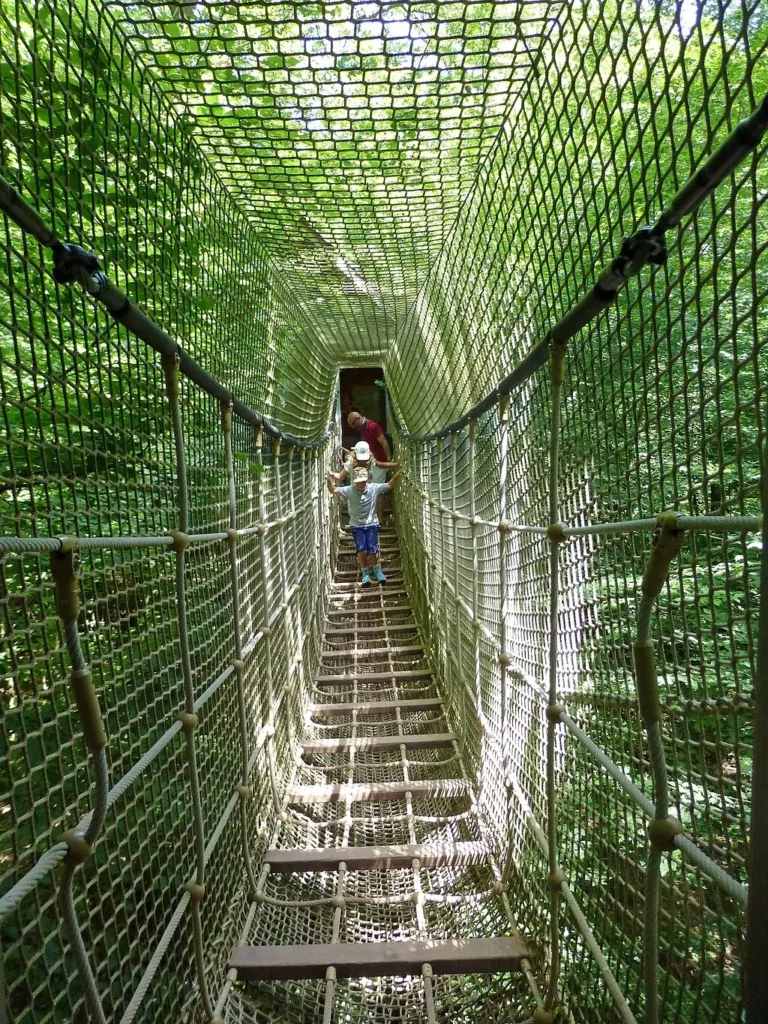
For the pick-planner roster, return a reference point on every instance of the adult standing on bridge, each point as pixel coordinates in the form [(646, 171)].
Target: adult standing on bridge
[(372, 433), (377, 441)]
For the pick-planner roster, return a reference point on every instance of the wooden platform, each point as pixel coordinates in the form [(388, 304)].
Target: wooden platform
[(364, 677), (378, 959), (375, 707), (362, 792), (339, 744), (378, 858)]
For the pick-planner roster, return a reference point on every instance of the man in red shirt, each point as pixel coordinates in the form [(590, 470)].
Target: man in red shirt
[(374, 435)]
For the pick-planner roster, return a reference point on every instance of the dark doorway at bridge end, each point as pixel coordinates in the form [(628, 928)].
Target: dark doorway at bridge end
[(362, 388)]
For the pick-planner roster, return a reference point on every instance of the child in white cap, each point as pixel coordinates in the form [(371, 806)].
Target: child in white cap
[(363, 520), (361, 456)]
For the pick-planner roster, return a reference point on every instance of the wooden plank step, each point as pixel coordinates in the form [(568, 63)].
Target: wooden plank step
[(353, 575), (338, 612), (366, 792), (378, 959), (350, 549), (378, 858), (338, 744), (365, 677), (381, 652), (396, 627), (358, 592), (375, 707)]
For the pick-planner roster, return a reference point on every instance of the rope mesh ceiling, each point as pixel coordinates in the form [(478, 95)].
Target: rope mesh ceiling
[(350, 134)]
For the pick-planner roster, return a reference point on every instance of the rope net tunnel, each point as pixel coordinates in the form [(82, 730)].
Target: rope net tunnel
[(514, 782)]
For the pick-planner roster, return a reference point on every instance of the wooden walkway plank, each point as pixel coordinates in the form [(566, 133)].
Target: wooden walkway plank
[(376, 707), (378, 959), (364, 792), (378, 858), (365, 677), (396, 627), (339, 744)]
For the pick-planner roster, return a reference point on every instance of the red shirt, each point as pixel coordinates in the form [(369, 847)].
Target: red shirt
[(371, 433)]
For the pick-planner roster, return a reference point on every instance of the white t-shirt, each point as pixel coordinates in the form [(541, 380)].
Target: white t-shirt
[(362, 504)]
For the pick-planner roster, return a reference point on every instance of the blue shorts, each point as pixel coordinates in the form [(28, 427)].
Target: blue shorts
[(366, 538)]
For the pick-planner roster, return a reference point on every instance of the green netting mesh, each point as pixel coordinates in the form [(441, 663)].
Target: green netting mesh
[(290, 188)]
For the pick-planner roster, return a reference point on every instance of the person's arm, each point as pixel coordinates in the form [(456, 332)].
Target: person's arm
[(388, 465), (330, 481), (382, 439), (391, 484)]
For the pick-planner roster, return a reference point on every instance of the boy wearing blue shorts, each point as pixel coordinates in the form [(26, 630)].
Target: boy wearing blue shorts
[(363, 520)]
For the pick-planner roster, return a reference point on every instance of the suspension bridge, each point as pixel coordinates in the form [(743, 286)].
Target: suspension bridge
[(515, 782)]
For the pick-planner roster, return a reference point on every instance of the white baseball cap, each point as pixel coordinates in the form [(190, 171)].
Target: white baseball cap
[(362, 451), (360, 474)]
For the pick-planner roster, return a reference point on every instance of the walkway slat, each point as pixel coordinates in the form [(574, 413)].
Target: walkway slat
[(420, 673), (378, 858), (338, 744), (375, 707), (365, 792), (378, 959)]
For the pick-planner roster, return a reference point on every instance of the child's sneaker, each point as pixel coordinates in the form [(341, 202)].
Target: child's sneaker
[(365, 577), (380, 577)]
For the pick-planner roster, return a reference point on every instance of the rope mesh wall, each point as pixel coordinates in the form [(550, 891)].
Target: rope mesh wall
[(431, 187)]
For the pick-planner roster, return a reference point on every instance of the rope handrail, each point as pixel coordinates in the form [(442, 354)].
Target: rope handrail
[(82, 267), (43, 545), (645, 246), (717, 524)]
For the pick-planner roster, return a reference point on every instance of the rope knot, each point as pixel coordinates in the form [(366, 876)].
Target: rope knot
[(662, 832), (74, 263), (645, 246), (79, 847)]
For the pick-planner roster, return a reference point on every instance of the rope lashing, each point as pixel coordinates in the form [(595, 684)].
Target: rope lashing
[(72, 263)]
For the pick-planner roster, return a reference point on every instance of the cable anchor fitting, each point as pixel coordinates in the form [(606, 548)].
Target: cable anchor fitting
[(79, 848), (662, 832), (645, 246), (72, 263), (65, 569), (226, 415), (171, 364), (667, 540), (196, 891), (556, 878), (542, 1016)]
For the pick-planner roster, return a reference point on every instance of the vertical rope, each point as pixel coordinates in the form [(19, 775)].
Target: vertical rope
[(448, 673), (320, 540), (476, 668), (456, 599), (757, 918), (65, 569), (666, 545), (266, 629), (504, 656), (242, 788), (503, 578), (556, 876), (196, 888)]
